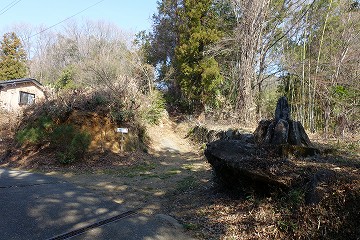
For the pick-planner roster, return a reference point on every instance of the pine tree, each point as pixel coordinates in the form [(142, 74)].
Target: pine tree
[(12, 58)]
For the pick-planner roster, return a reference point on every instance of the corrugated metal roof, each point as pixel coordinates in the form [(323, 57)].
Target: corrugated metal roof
[(20, 80)]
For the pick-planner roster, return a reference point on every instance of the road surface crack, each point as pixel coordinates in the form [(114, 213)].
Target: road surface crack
[(29, 185)]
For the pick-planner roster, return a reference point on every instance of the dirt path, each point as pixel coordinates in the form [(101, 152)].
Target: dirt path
[(174, 179), (168, 137), (165, 180), (172, 167)]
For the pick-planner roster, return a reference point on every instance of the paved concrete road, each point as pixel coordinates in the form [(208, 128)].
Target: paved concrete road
[(35, 206)]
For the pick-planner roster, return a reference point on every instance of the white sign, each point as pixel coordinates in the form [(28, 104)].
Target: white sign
[(122, 130)]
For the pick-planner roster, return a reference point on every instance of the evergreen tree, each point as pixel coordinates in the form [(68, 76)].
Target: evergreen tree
[(160, 44), (198, 74), (12, 58)]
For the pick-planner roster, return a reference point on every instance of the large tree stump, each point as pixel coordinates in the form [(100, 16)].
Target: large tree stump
[(261, 164), (281, 130)]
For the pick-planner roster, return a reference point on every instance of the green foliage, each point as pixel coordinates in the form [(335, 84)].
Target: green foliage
[(143, 41), (98, 100), (224, 16), (186, 184), (119, 111), (70, 143), (290, 87), (75, 150), (287, 226), (29, 135), (160, 45), (61, 135), (191, 226), (343, 98), (120, 115), (296, 197), (66, 80), (12, 58), (323, 78), (36, 132), (211, 80), (156, 108), (340, 92), (266, 101), (199, 75), (182, 33)]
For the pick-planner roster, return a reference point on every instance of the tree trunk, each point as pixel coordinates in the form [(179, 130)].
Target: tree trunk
[(248, 35)]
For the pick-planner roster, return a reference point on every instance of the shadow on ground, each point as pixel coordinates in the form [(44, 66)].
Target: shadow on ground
[(35, 206), (178, 183)]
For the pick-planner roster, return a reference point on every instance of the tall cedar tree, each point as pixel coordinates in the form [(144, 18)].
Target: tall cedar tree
[(198, 74), (12, 58)]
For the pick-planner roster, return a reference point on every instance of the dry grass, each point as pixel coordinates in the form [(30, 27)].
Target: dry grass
[(216, 214), (174, 179)]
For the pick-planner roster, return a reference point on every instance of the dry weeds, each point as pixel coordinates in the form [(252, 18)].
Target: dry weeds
[(175, 179)]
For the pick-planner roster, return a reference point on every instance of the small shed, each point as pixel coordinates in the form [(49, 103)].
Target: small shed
[(18, 93)]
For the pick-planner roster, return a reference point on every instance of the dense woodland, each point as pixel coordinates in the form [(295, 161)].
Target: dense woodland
[(210, 56)]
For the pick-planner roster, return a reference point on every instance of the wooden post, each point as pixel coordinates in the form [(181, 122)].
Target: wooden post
[(122, 140)]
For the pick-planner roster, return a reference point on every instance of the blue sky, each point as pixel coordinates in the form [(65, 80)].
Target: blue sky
[(130, 15)]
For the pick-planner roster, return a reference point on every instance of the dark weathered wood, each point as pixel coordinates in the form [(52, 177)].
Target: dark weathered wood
[(242, 166), (257, 163), (281, 130), (261, 131), (281, 133), (297, 135), (282, 110)]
